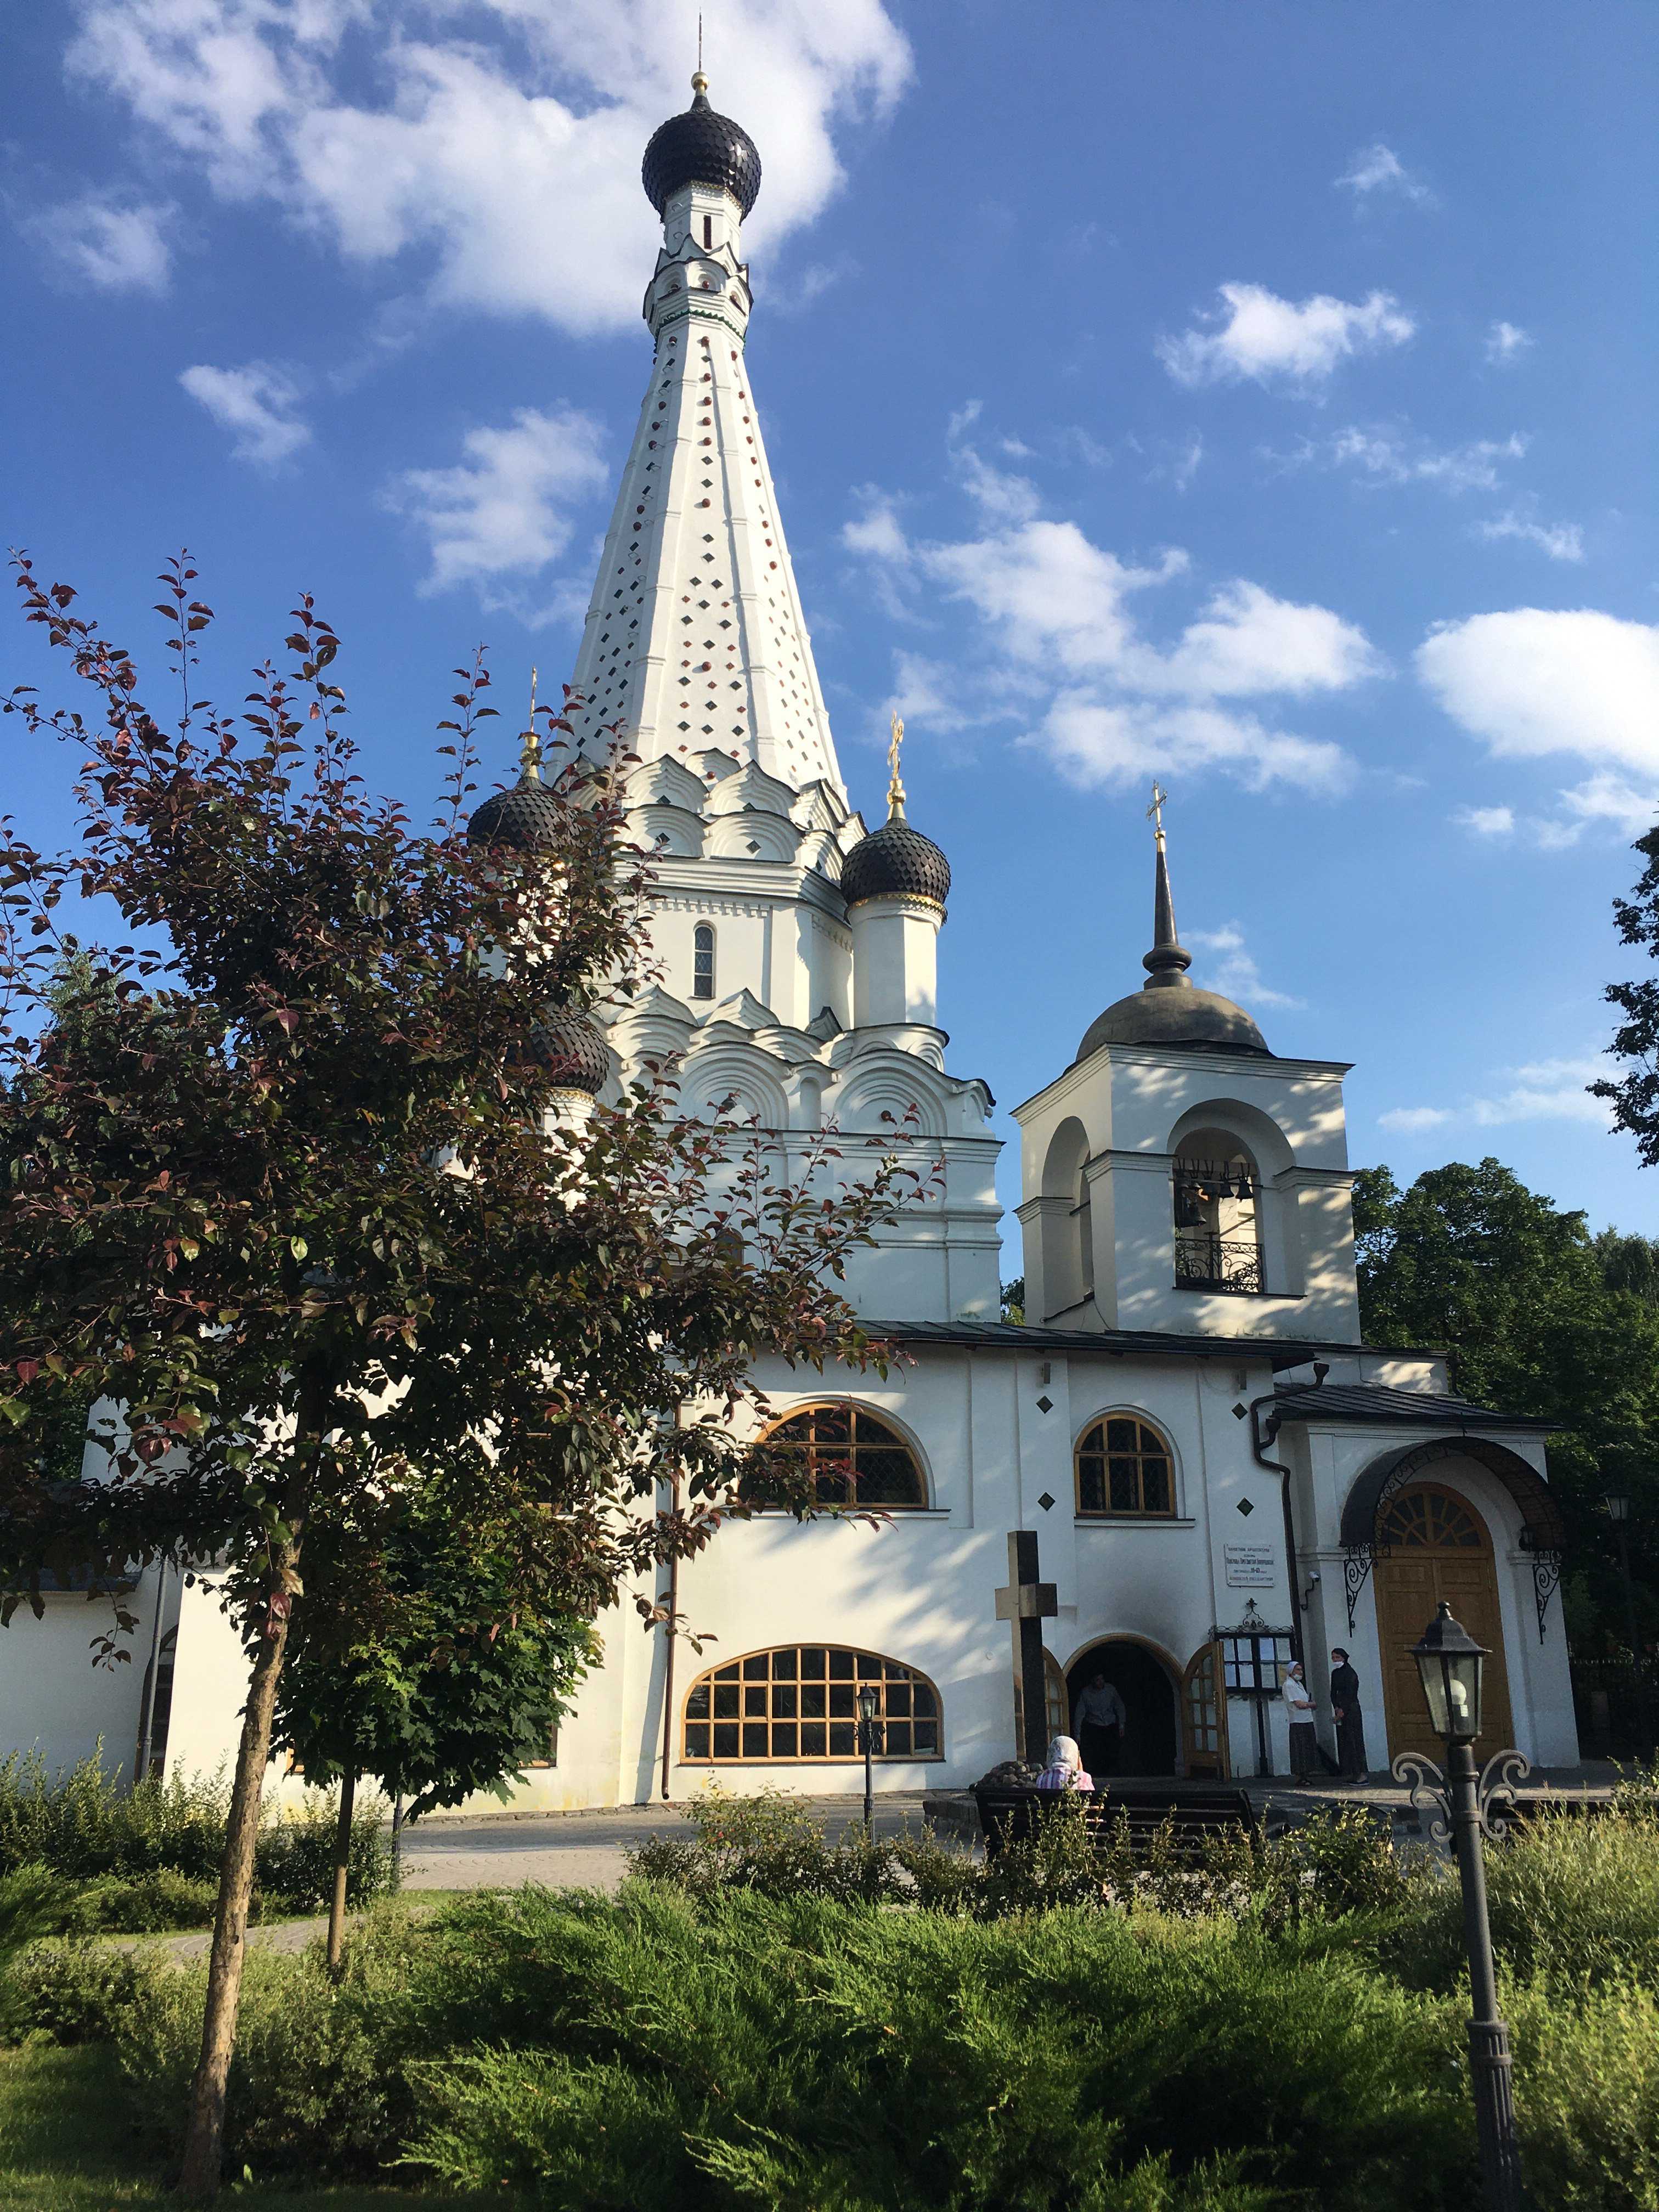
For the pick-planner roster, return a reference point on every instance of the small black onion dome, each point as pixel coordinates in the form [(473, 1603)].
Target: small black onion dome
[(698, 147), (570, 1046), (522, 817), (895, 860)]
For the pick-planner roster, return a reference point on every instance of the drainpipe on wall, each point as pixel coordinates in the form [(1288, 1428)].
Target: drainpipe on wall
[(1262, 1435), (147, 1719), (668, 1631)]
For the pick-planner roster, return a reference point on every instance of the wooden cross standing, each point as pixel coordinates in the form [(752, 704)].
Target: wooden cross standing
[(1028, 1603)]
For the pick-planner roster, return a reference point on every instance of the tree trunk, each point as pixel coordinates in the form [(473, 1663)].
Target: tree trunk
[(336, 1903), (198, 2180)]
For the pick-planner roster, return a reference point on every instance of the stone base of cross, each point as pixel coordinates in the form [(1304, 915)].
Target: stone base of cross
[(1027, 1603)]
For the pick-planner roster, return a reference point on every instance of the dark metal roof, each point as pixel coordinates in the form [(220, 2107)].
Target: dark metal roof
[(523, 817), (1118, 1343), (1156, 1014), (1543, 1527), (572, 1050), (895, 859), (1375, 1402), (699, 147)]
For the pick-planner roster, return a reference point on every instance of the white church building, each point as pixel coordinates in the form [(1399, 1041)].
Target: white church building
[(1211, 1466)]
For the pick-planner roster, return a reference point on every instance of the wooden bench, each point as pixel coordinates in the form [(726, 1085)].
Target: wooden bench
[(1191, 1814)]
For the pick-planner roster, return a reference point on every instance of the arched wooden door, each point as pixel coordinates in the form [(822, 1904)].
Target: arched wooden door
[(1439, 1547)]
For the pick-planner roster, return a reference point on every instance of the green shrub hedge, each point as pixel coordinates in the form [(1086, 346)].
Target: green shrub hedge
[(147, 1856), (771, 2022)]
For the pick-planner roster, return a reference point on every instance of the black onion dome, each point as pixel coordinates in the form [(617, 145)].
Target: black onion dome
[(570, 1046), (895, 860), (699, 147), (521, 818)]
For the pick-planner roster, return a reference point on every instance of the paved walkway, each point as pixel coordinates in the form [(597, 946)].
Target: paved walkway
[(587, 1850)]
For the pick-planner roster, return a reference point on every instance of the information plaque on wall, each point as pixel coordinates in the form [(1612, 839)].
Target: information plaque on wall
[(1250, 1566)]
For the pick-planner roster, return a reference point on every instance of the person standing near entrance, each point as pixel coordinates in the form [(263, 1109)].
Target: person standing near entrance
[(1350, 1721), (1102, 1721), (1304, 1744)]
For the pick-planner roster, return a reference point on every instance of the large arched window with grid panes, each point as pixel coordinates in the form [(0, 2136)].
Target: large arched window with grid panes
[(1124, 1468), (799, 1704), (848, 1456)]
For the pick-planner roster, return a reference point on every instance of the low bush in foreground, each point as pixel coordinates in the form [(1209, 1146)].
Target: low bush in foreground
[(774, 2023), (147, 1857)]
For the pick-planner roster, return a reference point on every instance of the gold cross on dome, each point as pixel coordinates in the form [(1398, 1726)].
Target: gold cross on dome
[(530, 752), (894, 788), (1155, 811)]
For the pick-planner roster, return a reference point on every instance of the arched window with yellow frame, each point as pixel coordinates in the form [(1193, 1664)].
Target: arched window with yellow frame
[(1125, 1470), (799, 1704), (850, 1458)]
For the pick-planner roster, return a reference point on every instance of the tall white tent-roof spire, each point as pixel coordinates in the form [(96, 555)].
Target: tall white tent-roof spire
[(695, 640)]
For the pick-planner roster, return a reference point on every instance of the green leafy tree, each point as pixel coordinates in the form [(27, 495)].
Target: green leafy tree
[(287, 1186), (1534, 1318), (1634, 1096), (419, 1660)]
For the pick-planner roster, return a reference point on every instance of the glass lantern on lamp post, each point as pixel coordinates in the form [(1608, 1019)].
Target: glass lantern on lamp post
[(1450, 1661), (869, 1705)]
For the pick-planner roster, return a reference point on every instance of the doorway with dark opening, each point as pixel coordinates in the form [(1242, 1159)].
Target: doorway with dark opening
[(1150, 1734)]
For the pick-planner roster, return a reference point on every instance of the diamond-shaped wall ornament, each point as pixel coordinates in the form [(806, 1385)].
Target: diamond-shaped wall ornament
[(1045, 1405), (1046, 1502), (1241, 1412), (1245, 1508)]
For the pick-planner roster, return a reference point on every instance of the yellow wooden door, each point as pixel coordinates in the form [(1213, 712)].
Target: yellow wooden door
[(1204, 1713), (1439, 1548)]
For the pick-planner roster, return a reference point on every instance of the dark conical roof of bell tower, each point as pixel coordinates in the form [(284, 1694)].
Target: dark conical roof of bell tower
[(1167, 1010), (700, 147)]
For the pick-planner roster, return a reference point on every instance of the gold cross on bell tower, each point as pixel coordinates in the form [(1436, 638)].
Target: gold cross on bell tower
[(1155, 811), (894, 788)]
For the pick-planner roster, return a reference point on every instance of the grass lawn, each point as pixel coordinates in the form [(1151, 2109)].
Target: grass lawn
[(64, 2148)]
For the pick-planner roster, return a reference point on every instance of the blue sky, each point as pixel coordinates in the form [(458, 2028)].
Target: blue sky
[(1260, 397)]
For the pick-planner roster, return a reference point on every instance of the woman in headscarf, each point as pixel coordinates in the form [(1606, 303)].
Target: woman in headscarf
[(1065, 1767)]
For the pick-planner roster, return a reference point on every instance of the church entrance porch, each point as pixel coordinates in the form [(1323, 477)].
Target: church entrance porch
[(1150, 1735), (1438, 1546)]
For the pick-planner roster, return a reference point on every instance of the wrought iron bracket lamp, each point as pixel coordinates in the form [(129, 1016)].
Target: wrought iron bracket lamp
[(1450, 1661)]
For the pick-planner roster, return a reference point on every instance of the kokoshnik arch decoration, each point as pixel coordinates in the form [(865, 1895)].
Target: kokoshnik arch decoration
[(1365, 1517)]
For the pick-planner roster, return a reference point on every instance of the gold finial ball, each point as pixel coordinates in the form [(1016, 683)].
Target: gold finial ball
[(699, 83)]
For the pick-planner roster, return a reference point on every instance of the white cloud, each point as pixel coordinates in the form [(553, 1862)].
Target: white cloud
[(502, 515), (501, 151), (1246, 641), (1535, 681), (1256, 334), (1489, 821), (1562, 541), (256, 404), (1379, 169), (115, 244), (1386, 454), (1505, 342), (1058, 642), (1540, 1091), (1234, 973)]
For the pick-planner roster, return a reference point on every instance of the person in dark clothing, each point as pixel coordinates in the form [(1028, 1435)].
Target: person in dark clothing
[(1350, 1721), (1101, 1722)]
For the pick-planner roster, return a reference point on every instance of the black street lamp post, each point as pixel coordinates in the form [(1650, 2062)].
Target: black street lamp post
[(1450, 1661), (869, 1702), (1617, 1502)]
